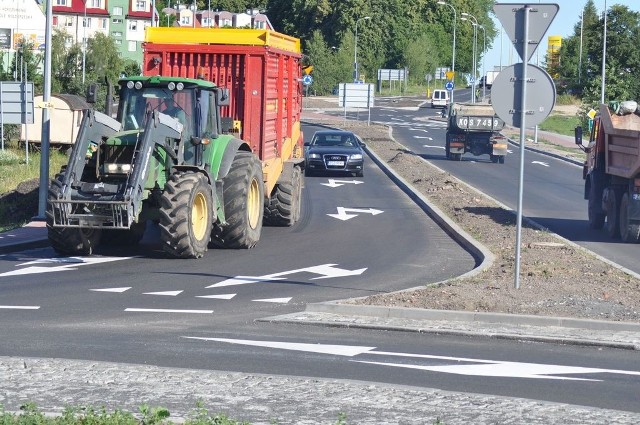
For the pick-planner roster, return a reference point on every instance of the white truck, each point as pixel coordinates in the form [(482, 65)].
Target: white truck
[(488, 79)]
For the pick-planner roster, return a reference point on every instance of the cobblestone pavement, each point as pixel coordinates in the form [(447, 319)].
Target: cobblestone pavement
[(266, 399)]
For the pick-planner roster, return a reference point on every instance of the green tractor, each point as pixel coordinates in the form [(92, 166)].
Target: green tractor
[(165, 158)]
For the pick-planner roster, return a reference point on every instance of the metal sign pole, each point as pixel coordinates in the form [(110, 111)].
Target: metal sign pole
[(523, 126)]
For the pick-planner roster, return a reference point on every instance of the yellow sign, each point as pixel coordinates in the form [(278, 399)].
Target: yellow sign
[(591, 114), (307, 69), (449, 75)]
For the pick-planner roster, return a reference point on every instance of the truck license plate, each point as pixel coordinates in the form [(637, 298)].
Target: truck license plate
[(336, 163)]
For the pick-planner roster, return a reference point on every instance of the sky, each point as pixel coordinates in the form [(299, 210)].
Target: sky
[(563, 23)]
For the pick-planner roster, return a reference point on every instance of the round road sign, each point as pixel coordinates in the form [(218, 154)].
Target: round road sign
[(506, 95), (307, 80), (449, 85)]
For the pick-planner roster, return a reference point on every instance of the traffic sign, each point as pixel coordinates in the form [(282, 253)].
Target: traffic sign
[(307, 80), (512, 18), (449, 75), (449, 85), (506, 95)]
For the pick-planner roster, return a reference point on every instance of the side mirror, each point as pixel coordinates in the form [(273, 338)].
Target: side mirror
[(578, 135), (223, 97), (92, 93)]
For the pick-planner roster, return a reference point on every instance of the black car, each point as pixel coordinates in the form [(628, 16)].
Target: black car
[(334, 151)]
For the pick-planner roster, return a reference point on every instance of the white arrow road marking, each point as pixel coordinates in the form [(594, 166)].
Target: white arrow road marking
[(119, 290), (327, 271), (337, 350), (20, 307), (166, 310), (219, 297), (69, 263), (165, 293), (338, 183), (274, 300), (540, 162), (342, 213), (423, 137), (481, 367)]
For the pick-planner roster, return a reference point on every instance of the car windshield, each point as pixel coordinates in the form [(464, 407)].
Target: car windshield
[(334, 139)]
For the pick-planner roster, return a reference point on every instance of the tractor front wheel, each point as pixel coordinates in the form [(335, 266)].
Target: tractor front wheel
[(243, 192), (186, 215)]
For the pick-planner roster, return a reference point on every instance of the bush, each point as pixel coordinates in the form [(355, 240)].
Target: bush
[(8, 157)]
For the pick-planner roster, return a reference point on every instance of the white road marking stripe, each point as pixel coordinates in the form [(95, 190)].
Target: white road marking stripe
[(20, 307), (220, 297), (166, 310), (274, 300), (118, 290)]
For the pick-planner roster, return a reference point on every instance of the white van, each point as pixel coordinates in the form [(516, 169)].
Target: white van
[(440, 98)]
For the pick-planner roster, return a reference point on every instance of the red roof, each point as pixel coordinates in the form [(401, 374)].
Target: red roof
[(78, 8)]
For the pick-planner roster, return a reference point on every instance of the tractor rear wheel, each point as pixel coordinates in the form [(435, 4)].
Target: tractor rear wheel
[(613, 213), (186, 215), (68, 240), (243, 192), (284, 206)]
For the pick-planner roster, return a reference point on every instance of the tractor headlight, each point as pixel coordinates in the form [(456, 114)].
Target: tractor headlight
[(138, 85)]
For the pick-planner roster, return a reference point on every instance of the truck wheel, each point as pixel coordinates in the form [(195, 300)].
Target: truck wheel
[(447, 152), (186, 215), (501, 159), (68, 240), (284, 206), (596, 216), (629, 230), (127, 237), (494, 158), (613, 213), (455, 156), (243, 204)]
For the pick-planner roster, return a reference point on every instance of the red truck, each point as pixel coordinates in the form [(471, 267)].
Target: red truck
[(612, 174)]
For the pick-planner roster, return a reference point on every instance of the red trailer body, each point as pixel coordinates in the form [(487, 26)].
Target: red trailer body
[(261, 69)]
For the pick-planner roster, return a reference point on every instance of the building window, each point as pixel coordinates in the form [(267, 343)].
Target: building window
[(86, 22), (68, 21), (132, 46), (95, 4), (185, 20), (117, 11), (103, 23), (226, 23), (61, 2), (141, 6), (118, 42), (116, 33), (206, 22), (133, 25), (117, 21)]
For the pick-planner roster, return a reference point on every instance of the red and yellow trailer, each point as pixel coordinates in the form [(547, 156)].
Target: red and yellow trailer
[(260, 68)]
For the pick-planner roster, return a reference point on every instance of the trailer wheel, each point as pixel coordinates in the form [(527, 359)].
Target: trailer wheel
[(68, 240), (494, 158), (243, 204), (455, 156), (613, 213), (629, 230), (186, 215), (596, 216), (284, 206)]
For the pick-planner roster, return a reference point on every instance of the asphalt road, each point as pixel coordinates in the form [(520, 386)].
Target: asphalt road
[(553, 191), (138, 307)]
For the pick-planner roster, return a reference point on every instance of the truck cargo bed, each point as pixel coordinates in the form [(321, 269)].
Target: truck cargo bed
[(622, 143)]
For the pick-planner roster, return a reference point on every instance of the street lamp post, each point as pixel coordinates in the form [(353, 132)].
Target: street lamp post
[(453, 55), (484, 49), (466, 17), (84, 41), (604, 52), (356, 73)]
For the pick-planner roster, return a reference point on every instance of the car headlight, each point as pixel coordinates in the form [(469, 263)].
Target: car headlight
[(314, 156), (356, 157)]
